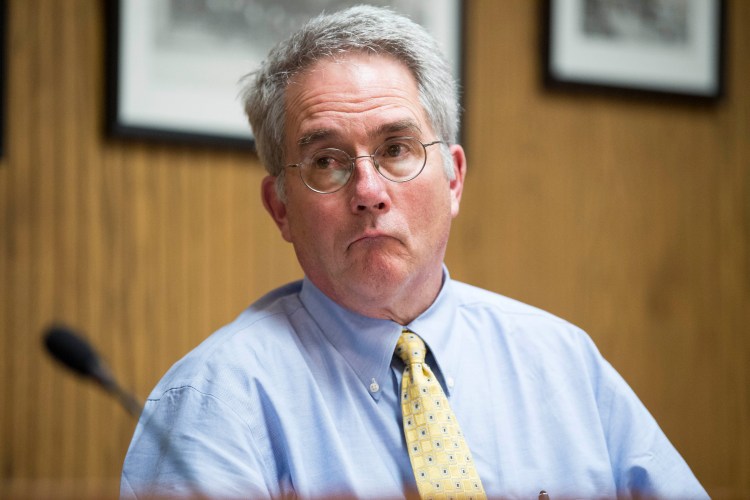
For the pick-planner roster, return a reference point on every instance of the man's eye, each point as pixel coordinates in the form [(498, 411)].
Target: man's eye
[(395, 150), (325, 162), (398, 150)]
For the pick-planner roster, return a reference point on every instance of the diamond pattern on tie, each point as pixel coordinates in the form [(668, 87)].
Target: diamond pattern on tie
[(441, 460)]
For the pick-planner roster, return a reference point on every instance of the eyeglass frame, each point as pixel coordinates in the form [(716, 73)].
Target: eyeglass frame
[(353, 163)]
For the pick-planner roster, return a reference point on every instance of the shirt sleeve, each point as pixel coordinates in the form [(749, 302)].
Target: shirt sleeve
[(190, 444), (644, 462)]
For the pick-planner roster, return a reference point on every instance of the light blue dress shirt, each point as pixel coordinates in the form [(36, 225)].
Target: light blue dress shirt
[(299, 397)]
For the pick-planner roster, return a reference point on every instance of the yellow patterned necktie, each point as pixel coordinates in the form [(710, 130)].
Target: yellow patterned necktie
[(439, 456)]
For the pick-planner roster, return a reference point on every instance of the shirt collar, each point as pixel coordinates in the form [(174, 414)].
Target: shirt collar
[(367, 344), (436, 327)]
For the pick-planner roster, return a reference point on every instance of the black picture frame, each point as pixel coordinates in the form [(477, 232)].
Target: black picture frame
[(146, 101), (675, 49)]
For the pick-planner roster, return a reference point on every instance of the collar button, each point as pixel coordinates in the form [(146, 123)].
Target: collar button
[(374, 387)]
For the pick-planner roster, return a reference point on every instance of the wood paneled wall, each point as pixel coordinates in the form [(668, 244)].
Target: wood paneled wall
[(627, 216)]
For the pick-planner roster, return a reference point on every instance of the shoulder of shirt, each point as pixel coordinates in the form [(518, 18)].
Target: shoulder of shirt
[(471, 297), (515, 319), (546, 339), (261, 327)]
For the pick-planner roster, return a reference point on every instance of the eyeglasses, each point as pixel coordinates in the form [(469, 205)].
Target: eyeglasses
[(400, 159)]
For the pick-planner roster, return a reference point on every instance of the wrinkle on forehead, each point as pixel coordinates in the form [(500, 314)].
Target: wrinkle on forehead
[(401, 127)]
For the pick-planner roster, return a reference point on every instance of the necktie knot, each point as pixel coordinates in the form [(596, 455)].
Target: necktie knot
[(410, 348)]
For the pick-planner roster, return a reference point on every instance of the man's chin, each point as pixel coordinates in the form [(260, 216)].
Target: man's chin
[(378, 276)]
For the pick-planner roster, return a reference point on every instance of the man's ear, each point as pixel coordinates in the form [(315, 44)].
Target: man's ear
[(275, 206), (459, 170)]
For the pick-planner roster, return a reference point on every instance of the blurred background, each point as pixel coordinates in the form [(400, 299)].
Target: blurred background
[(627, 215)]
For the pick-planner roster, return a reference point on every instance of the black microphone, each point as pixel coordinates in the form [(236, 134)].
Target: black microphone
[(74, 352)]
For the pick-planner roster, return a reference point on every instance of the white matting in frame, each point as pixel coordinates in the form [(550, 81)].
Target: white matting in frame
[(666, 46)]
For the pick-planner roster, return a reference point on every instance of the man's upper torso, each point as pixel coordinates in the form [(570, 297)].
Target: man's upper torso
[(299, 396)]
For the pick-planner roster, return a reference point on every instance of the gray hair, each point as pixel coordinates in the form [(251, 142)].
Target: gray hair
[(357, 29)]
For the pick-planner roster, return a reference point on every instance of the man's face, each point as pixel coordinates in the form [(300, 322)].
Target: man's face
[(374, 242)]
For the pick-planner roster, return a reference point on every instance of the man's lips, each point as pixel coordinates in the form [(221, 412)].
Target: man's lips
[(370, 237)]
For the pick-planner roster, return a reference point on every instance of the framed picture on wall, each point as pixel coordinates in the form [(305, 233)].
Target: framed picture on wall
[(174, 66), (657, 46)]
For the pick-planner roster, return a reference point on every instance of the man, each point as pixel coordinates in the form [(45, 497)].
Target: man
[(355, 118)]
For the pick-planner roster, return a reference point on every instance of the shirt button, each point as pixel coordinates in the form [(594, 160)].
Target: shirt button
[(374, 387), (450, 382)]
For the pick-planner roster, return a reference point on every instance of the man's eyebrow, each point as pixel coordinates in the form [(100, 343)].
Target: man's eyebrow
[(400, 126), (314, 136)]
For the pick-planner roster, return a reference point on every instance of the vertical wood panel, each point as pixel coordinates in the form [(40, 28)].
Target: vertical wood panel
[(627, 216)]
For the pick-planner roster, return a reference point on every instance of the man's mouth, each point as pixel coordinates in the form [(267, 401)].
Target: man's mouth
[(370, 237)]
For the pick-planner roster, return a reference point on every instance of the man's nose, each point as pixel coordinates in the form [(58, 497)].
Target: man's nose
[(369, 191)]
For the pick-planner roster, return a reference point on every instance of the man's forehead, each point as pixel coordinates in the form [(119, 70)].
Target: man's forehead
[(376, 95)]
